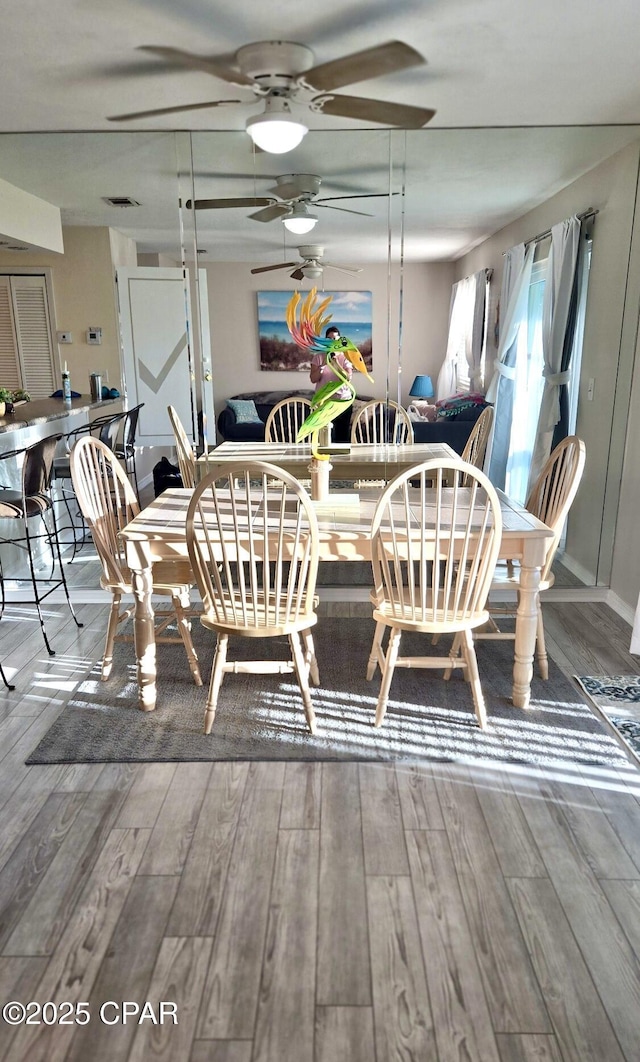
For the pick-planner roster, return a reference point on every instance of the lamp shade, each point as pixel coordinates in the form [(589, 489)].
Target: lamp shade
[(422, 387), (276, 130), (300, 220)]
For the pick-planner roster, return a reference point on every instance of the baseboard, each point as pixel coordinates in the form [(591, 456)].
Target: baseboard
[(583, 574), (625, 611)]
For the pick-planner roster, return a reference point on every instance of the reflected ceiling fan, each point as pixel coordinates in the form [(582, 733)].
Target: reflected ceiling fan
[(296, 191), (311, 267), (281, 73)]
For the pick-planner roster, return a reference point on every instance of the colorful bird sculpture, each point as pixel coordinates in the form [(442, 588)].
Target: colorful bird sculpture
[(338, 394)]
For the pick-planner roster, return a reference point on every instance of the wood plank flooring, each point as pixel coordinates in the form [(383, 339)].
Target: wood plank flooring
[(315, 912)]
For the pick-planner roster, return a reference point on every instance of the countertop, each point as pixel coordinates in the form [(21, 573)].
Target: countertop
[(43, 410)]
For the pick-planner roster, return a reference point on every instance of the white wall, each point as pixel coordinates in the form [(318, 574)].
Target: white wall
[(234, 327)]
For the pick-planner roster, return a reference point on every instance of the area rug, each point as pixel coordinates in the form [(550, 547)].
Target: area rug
[(617, 699), (260, 717)]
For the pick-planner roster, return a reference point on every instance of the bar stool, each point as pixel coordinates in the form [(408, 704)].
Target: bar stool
[(104, 428), (34, 500), (2, 674), (125, 447)]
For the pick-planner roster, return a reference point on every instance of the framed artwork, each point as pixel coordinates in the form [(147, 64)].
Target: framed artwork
[(351, 312)]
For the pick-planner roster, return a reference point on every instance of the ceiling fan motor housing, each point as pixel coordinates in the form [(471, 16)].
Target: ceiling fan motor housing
[(274, 64), (292, 185)]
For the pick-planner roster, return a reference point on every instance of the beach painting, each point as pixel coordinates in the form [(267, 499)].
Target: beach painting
[(350, 312)]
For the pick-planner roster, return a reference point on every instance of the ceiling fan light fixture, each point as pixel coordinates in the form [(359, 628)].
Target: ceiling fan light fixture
[(276, 130), (300, 221)]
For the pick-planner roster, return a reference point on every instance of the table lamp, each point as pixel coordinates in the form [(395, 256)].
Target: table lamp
[(422, 387)]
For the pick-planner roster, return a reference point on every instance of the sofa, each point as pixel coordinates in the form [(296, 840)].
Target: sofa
[(229, 428), (454, 428)]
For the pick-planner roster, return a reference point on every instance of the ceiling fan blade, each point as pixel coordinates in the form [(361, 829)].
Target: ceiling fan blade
[(219, 66), (267, 269), (297, 274), (352, 270), (361, 66), (168, 110), (343, 210), (270, 213), (364, 110), (223, 204), (360, 195)]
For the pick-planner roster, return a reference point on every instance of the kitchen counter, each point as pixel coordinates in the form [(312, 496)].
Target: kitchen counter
[(47, 410)]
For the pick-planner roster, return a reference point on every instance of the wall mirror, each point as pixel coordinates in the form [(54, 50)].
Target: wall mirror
[(434, 205)]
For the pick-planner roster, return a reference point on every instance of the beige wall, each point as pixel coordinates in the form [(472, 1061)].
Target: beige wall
[(608, 346), (234, 326), (84, 296)]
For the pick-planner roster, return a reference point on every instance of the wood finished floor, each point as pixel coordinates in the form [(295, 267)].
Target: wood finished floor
[(317, 913)]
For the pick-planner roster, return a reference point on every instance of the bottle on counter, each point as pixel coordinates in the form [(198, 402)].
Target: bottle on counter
[(66, 384)]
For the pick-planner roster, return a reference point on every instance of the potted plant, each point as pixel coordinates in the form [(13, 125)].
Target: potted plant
[(6, 401)]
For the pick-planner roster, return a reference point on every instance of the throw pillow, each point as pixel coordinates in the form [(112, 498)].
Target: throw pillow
[(245, 410)]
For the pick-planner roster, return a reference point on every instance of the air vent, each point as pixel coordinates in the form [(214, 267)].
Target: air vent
[(120, 201)]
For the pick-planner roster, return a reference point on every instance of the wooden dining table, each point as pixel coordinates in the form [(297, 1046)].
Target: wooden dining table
[(348, 462), (159, 533)]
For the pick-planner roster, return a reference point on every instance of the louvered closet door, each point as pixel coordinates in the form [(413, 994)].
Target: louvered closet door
[(26, 349)]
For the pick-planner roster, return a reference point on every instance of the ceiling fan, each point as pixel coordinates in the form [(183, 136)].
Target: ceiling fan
[(296, 191), (282, 72), (312, 265)]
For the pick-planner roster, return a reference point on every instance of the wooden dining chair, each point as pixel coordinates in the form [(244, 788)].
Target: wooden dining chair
[(434, 546), (108, 503), (285, 419), (252, 536), (382, 421), (550, 500), (476, 445), (185, 451)]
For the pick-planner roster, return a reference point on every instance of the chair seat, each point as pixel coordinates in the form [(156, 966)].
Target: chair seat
[(13, 506), (404, 616), (169, 577), (261, 623)]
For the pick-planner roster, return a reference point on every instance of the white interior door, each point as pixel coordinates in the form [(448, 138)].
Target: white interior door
[(157, 350)]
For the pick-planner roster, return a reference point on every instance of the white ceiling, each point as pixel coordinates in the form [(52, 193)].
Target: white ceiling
[(67, 65)]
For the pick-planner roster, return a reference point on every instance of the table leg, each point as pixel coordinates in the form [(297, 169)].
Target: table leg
[(526, 626), (320, 479), (144, 638)]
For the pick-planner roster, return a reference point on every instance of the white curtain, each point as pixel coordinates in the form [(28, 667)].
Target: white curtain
[(514, 301), (561, 270), (462, 368)]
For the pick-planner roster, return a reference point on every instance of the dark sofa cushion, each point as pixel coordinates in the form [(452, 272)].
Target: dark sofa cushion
[(452, 430), (265, 401)]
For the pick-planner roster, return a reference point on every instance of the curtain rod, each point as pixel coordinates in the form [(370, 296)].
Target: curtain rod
[(591, 213)]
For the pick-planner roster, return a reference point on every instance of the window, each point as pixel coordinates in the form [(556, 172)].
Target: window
[(528, 386), (529, 380), (463, 368)]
